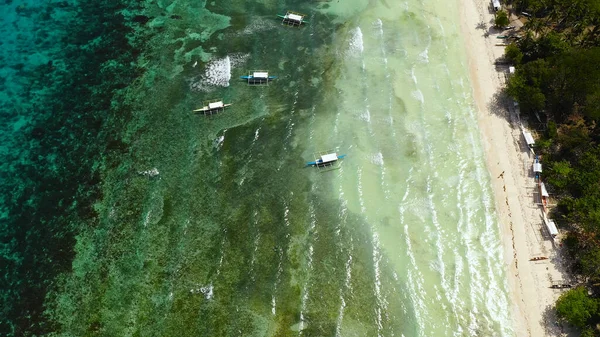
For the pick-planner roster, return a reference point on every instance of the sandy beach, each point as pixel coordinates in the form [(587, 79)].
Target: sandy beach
[(509, 162)]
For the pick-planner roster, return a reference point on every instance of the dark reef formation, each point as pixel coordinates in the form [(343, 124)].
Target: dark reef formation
[(50, 194)]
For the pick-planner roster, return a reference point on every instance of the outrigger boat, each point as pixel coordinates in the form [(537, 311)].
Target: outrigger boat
[(560, 285), (258, 77), (292, 19), (328, 159), (213, 107), (538, 258)]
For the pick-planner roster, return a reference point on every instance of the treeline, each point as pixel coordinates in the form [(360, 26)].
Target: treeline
[(557, 85)]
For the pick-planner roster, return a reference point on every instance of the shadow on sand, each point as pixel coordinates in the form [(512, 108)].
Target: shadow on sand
[(500, 105)]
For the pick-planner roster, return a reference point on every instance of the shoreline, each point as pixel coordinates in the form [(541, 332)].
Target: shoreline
[(509, 163)]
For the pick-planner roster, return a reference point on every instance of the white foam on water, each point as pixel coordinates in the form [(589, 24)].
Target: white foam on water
[(486, 242), (311, 231), (381, 305), (216, 74), (361, 201), (219, 141), (338, 323), (356, 45), (255, 135), (416, 292), (256, 26), (277, 279), (378, 24), (347, 288), (424, 56), (418, 95), (286, 213), (492, 248), (413, 76), (222, 255), (255, 245), (238, 59), (289, 128), (147, 218), (366, 115), (377, 159), (313, 117), (336, 124), (208, 291)]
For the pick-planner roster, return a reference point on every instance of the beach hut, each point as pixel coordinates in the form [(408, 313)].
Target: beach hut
[(544, 191), (528, 138), (496, 5), (551, 226), (544, 196), (537, 166)]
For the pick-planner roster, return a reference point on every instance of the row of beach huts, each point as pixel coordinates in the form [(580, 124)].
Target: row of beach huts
[(536, 166), (544, 196)]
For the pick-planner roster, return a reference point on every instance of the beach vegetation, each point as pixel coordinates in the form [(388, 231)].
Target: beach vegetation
[(514, 54), (557, 86), (501, 19), (576, 307)]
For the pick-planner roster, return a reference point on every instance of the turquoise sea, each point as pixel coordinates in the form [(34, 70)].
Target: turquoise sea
[(126, 214)]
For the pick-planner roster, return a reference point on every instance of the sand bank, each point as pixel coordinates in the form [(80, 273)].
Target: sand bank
[(509, 163)]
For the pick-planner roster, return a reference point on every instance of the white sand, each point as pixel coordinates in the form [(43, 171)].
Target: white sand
[(520, 217)]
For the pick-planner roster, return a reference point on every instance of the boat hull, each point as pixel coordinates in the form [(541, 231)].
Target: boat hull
[(207, 109), (285, 18), (320, 163)]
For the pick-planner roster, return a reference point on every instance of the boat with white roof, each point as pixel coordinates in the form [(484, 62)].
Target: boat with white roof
[(326, 159), (292, 19), (258, 77), (212, 107)]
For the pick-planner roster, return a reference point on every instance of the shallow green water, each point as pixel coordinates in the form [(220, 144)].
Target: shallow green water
[(235, 237)]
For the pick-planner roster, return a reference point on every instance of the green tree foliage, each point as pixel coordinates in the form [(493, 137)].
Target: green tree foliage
[(588, 332), (557, 77), (527, 85), (558, 174), (576, 307), (513, 53), (501, 19), (565, 83)]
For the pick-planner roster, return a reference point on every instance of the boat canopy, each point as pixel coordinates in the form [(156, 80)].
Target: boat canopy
[(260, 74), (551, 227), (528, 138), (537, 167), (294, 17), (329, 157), (215, 105), (543, 190)]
